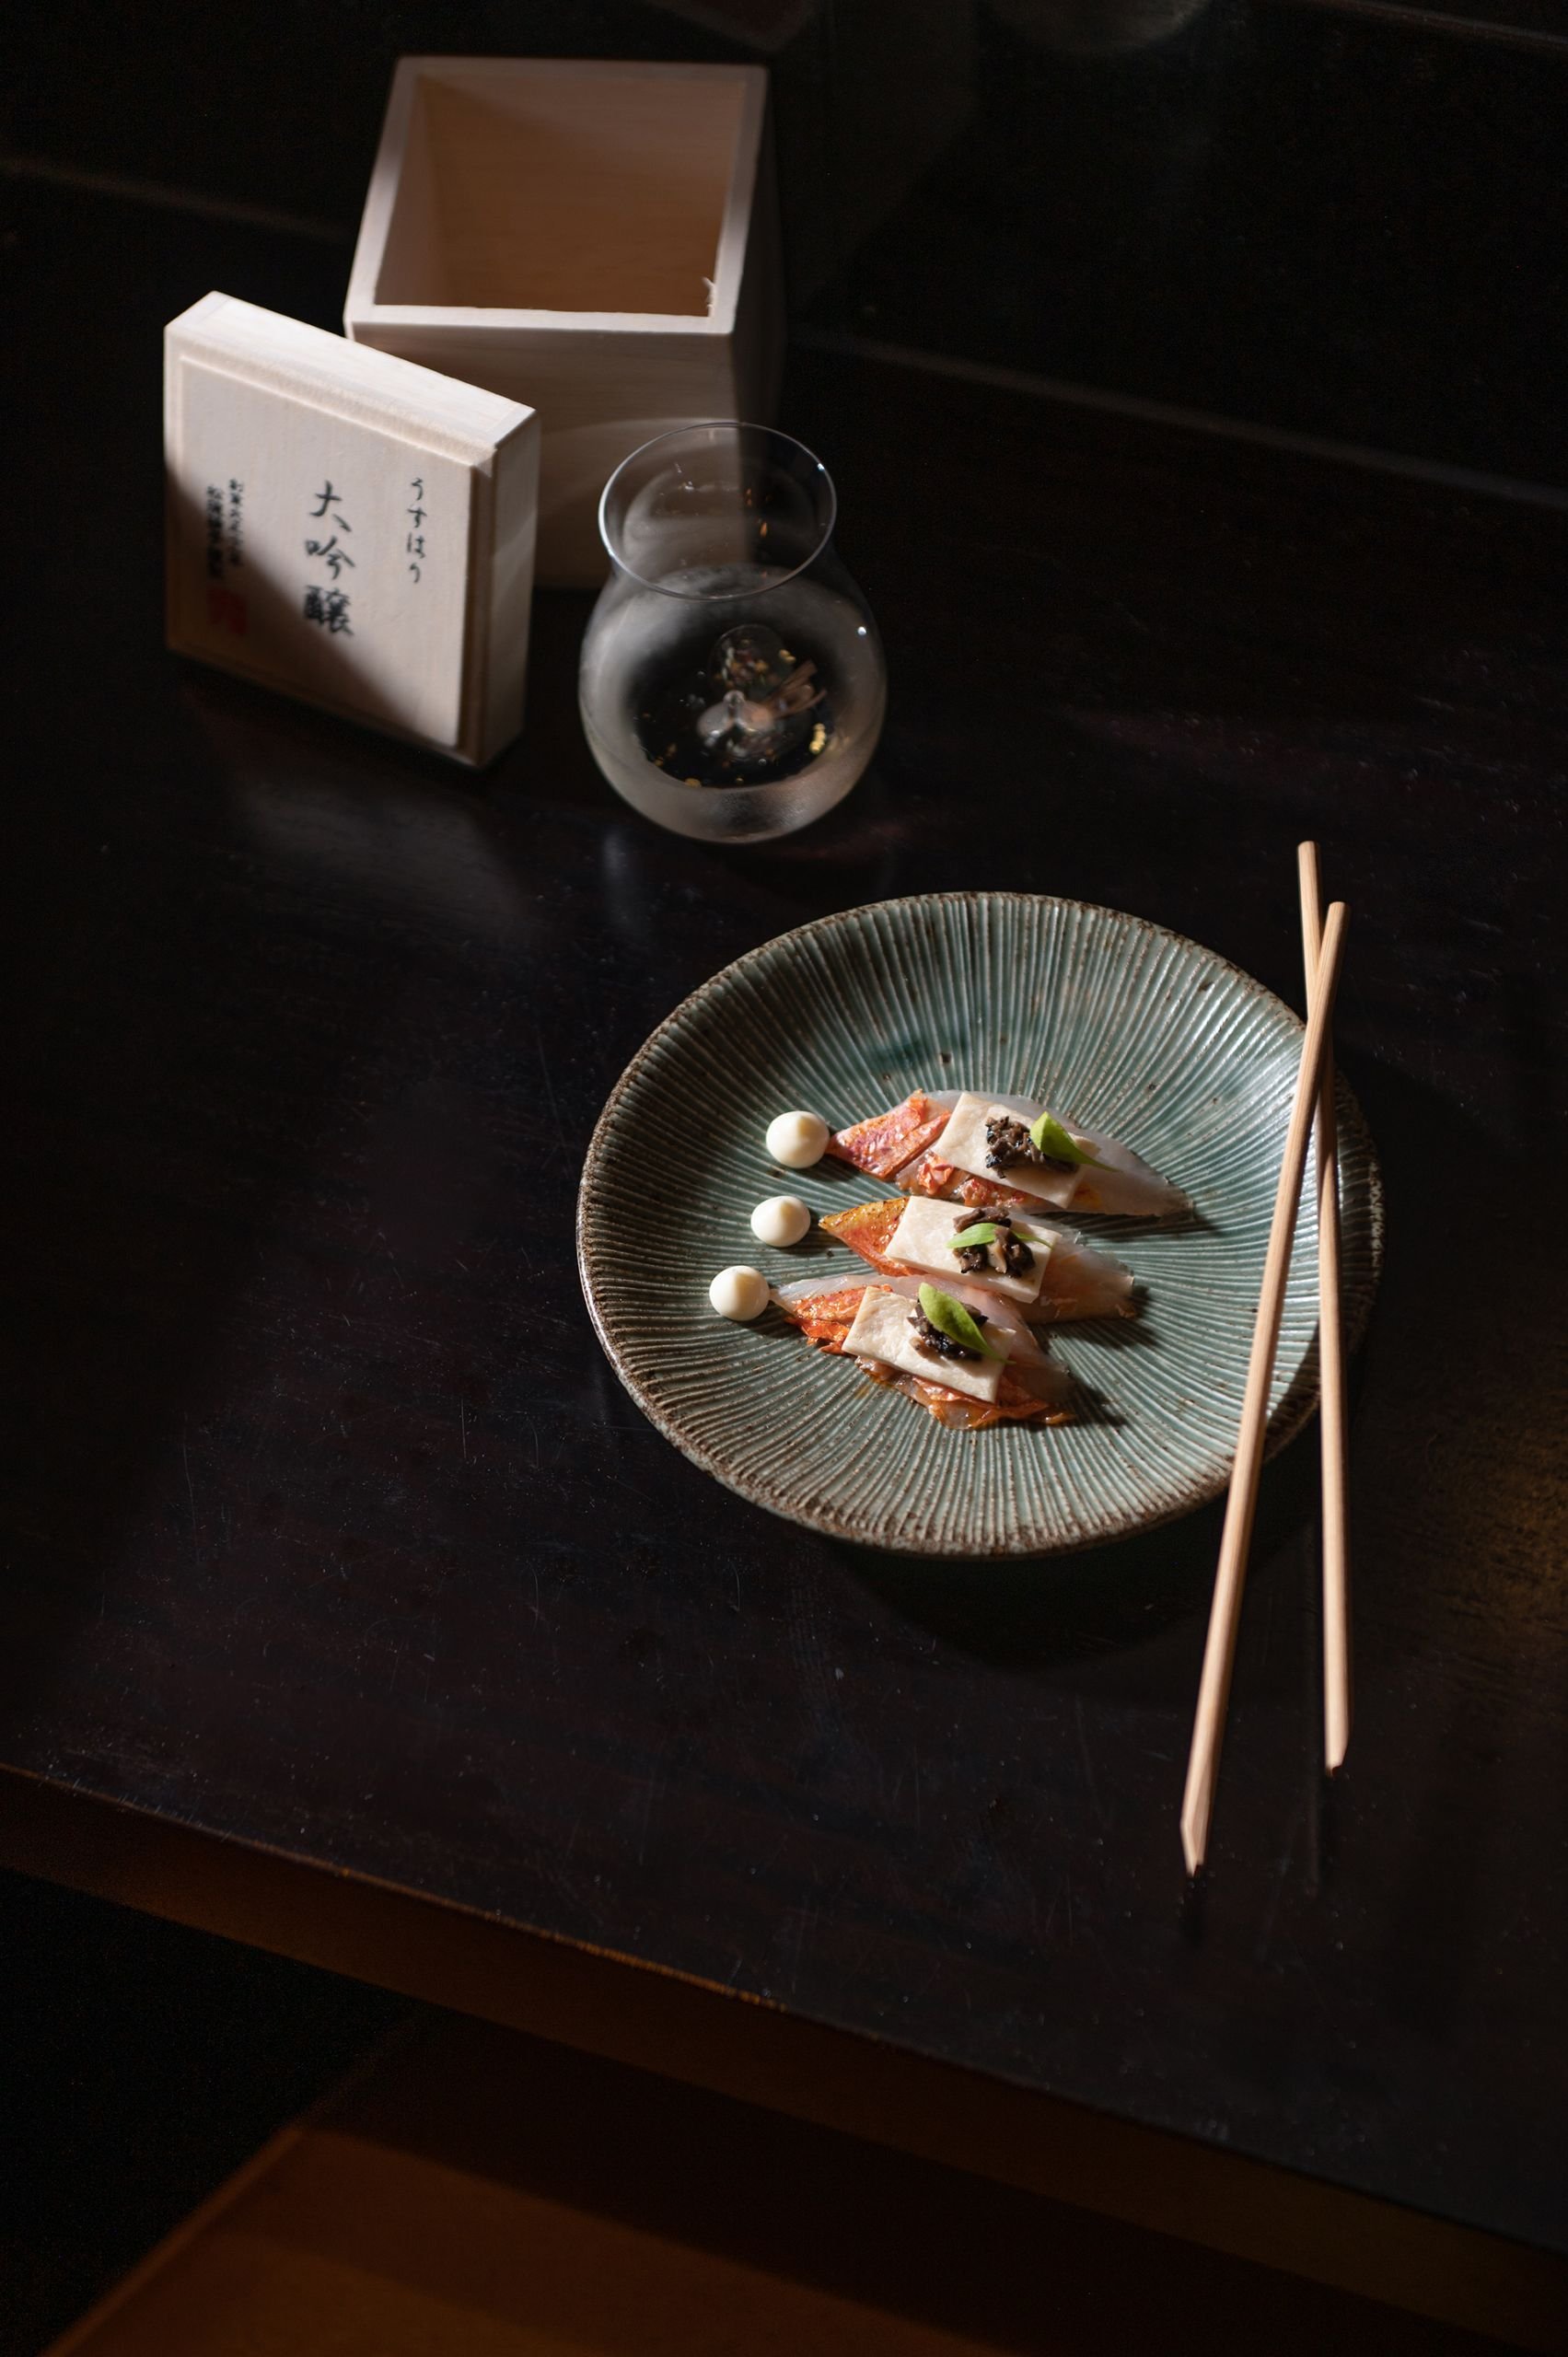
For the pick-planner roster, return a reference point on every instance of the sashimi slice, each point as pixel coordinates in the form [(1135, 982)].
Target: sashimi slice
[(824, 1315), (887, 1140), (867, 1228), (874, 1231), (1079, 1282), (1033, 1389), (932, 1176), (1124, 1185)]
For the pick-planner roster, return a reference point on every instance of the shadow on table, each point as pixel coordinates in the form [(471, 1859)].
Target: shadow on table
[(1040, 1612)]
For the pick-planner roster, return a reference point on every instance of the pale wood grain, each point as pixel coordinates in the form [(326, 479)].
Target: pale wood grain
[(1332, 1359), (1219, 1653), (431, 527), (595, 239)]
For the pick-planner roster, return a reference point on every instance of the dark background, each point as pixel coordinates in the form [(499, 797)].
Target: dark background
[(1340, 220), (1308, 220)]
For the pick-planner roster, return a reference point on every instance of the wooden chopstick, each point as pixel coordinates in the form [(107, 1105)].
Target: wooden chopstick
[(1225, 1613), (1331, 1362)]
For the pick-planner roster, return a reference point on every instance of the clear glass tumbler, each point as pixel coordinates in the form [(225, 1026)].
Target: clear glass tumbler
[(732, 684)]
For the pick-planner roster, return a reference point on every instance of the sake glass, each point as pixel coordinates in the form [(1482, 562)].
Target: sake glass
[(732, 685)]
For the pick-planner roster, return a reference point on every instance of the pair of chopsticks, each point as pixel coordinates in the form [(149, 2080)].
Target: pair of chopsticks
[(1322, 946)]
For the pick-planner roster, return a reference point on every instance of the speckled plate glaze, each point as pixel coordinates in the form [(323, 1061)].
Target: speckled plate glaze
[(1124, 1026)]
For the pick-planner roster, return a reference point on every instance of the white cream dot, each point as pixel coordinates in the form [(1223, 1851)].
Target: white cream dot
[(797, 1140), (782, 1220), (739, 1293)]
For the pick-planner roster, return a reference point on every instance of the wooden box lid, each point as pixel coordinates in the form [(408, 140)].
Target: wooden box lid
[(348, 526)]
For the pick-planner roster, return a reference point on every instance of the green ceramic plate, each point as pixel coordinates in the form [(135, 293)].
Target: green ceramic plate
[(1125, 1027)]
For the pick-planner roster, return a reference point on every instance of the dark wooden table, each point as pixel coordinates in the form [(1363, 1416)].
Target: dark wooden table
[(328, 1626)]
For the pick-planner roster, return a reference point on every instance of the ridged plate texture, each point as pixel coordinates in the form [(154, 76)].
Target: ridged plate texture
[(1111, 1021)]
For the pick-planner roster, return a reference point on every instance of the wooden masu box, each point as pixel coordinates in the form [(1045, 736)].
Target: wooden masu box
[(596, 240)]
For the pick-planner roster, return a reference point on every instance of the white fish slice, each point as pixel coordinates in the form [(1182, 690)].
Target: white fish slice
[(1042, 1376), (1077, 1279), (1116, 1181)]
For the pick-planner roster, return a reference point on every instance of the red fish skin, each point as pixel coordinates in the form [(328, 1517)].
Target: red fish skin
[(886, 1141), (867, 1229), (825, 1318), (941, 1179), (1013, 1405)]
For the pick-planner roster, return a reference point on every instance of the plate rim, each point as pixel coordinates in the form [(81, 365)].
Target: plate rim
[(1286, 1426)]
